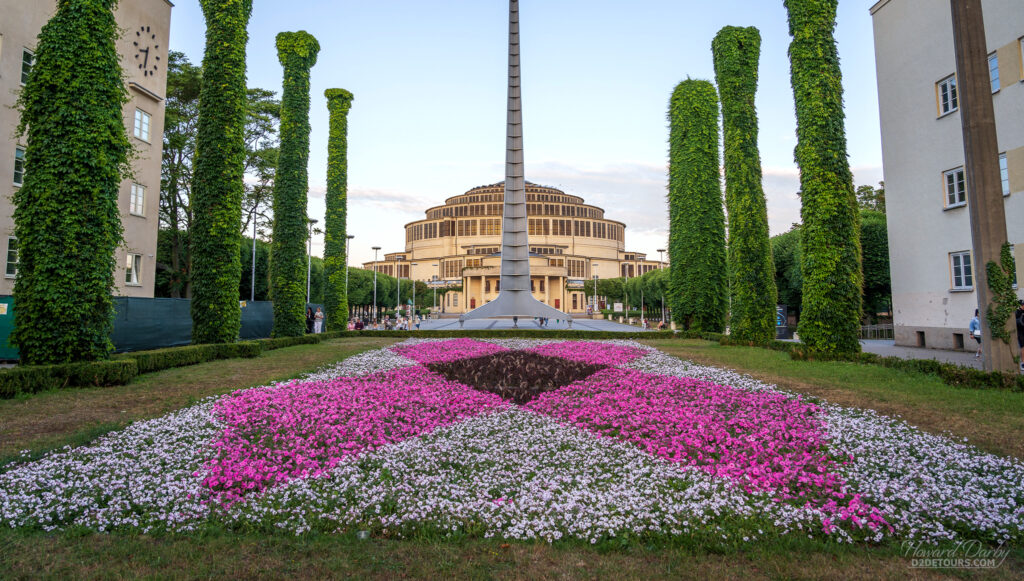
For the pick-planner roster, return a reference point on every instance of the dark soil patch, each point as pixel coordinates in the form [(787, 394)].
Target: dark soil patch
[(516, 376)]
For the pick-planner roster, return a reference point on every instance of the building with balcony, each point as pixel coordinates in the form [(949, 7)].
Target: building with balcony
[(458, 244), (143, 48)]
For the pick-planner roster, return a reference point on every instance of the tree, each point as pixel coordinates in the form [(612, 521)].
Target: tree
[(786, 255), (831, 253), (869, 198), (297, 52), (219, 166), (184, 82), (66, 216), (874, 242), (696, 217), (336, 234), (752, 284)]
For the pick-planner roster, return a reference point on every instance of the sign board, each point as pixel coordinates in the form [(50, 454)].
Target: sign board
[(780, 316), (575, 283), (3, 308), (617, 307)]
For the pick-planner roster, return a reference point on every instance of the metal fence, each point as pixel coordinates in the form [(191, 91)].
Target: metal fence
[(883, 331)]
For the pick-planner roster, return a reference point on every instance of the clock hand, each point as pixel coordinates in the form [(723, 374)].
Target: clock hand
[(146, 61)]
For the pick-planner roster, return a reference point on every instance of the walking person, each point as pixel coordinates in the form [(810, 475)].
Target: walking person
[(975, 329), (318, 321), (1020, 331)]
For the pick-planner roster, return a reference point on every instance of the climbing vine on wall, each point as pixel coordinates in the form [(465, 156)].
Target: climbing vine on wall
[(217, 181), (66, 217), (1004, 298), (698, 291), (751, 269), (831, 252), (335, 228), (297, 52)]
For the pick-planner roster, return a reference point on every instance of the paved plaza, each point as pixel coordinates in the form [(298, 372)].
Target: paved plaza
[(526, 323)]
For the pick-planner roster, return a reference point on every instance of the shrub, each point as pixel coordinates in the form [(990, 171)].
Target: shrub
[(751, 268), (830, 236), (157, 359), (217, 183), (279, 342), (66, 216), (297, 52), (27, 379), (696, 219)]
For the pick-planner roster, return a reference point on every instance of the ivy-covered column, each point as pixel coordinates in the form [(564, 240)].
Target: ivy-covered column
[(335, 228), (830, 236), (297, 52), (696, 217), (751, 268), (217, 181), (66, 217)]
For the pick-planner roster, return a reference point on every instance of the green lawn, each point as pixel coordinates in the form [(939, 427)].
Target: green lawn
[(55, 418), (992, 420)]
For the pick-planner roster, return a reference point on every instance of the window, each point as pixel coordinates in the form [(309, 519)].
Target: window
[(947, 95), (27, 60), (960, 264), (993, 71), (19, 165), (142, 125), (138, 200), (1004, 174), (956, 189), (12, 257), (455, 299), (132, 266)]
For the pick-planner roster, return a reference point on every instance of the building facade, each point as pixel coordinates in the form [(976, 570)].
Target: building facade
[(143, 49), (922, 152), (458, 244)]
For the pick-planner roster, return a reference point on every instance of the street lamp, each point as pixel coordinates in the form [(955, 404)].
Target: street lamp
[(309, 256), (252, 291), (412, 281), (398, 288), (593, 269), (375, 249), (347, 239), (661, 266), (434, 310)]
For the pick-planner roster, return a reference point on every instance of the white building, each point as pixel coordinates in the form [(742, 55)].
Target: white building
[(143, 49), (922, 152)]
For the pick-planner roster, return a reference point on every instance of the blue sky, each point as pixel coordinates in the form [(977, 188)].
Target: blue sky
[(429, 79)]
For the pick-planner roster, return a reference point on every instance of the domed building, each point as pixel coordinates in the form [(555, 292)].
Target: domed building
[(458, 245)]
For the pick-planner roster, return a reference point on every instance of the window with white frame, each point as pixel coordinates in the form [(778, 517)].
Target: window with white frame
[(1004, 174), (993, 71), (142, 120), (132, 266), (12, 257), (138, 200), (28, 58), (960, 267), (948, 101), (19, 165), (956, 187)]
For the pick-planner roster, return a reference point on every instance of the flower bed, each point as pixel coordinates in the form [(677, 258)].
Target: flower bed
[(649, 447)]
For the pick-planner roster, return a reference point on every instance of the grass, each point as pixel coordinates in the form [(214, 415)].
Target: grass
[(48, 420), (57, 418), (992, 420), (97, 556)]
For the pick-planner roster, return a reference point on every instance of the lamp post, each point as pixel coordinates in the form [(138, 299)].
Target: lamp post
[(398, 289), (309, 256), (661, 266), (433, 311), (375, 249), (412, 281), (347, 239), (252, 290)]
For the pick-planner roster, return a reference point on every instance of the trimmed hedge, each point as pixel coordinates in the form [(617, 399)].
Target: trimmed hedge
[(751, 268), (830, 236), (697, 266), (35, 378), (219, 166), (297, 52), (516, 334), (66, 217), (157, 359)]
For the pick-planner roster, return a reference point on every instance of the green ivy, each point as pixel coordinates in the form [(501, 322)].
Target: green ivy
[(217, 181), (831, 258), (698, 277), (66, 215), (297, 52), (1004, 298), (751, 268), (335, 228)]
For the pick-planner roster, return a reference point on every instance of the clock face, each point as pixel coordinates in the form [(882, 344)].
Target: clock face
[(147, 55)]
